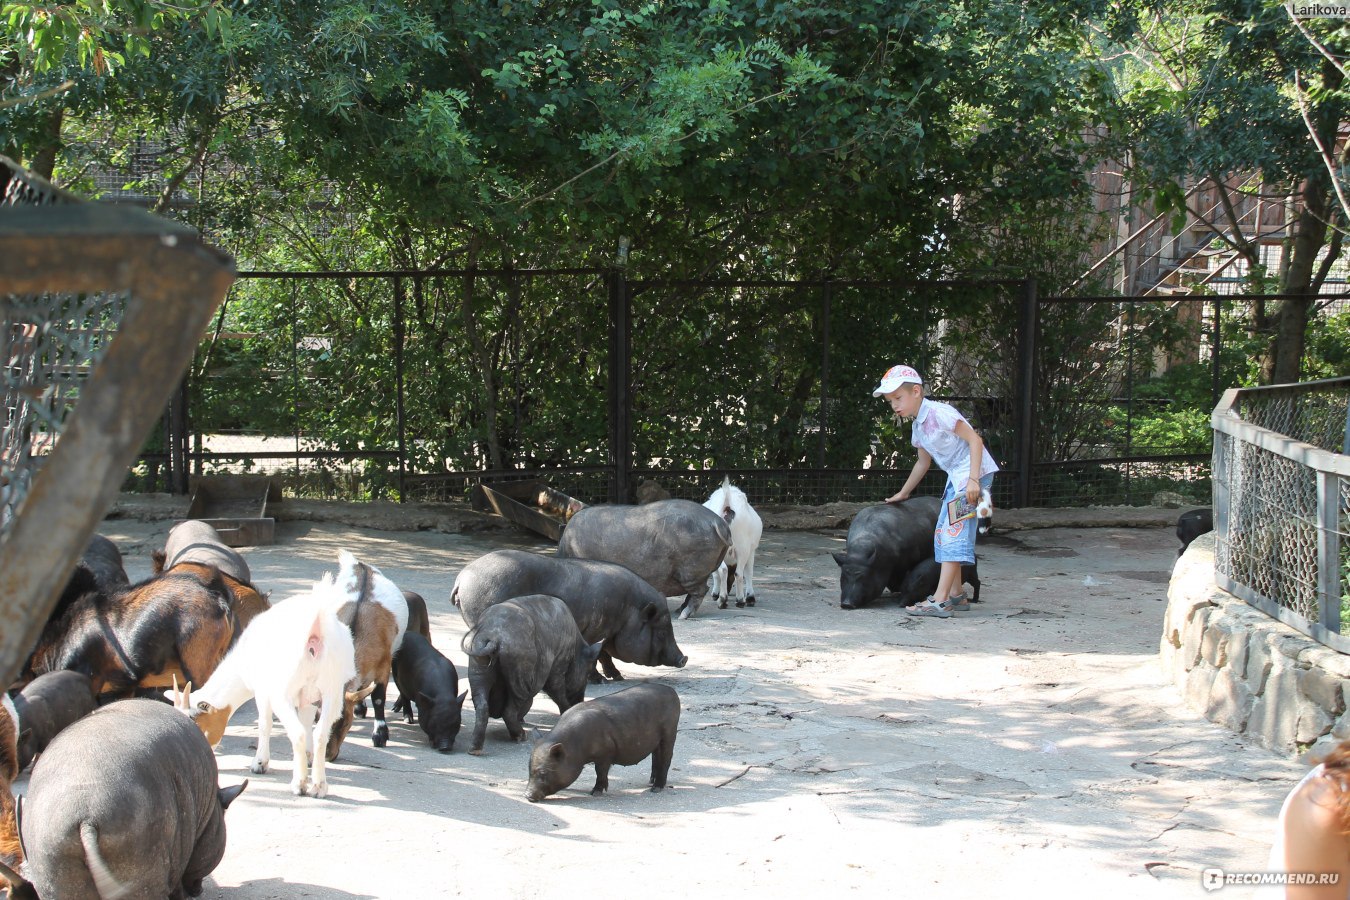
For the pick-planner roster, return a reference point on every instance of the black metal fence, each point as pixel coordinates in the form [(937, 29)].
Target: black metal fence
[(415, 385)]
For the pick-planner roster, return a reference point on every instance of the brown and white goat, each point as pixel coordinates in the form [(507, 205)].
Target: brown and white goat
[(377, 613)]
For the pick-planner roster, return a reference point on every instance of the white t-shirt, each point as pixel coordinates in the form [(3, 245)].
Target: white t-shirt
[(935, 432)]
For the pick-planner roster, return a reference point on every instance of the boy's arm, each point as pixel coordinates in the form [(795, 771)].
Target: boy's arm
[(976, 444), (915, 476)]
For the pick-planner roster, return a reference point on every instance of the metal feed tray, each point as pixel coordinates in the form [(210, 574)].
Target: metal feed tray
[(530, 504), (237, 506)]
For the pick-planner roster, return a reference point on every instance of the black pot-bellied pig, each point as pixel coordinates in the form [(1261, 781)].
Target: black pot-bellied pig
[(48, 704), (104, 561), (124, 803), (884, 543), (624, 727), (922, 580), (1192, 524), (423, 675), (518, 648), (673, 544), (610, 603)]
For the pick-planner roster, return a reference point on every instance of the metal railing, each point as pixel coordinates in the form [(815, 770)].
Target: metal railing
[(1282, 501)]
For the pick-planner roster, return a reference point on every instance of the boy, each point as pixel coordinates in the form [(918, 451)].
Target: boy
[(942, 434)]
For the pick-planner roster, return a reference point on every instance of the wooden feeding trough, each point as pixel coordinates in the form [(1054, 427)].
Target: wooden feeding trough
[(530, 504), (237, 506)]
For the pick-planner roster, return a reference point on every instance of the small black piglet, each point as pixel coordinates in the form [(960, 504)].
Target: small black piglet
[(624, 727)]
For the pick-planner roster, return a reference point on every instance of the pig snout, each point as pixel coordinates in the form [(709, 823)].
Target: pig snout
[(444, 745), (534, 794)]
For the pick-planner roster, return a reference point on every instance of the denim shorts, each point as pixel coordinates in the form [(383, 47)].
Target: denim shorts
[(956, 543)]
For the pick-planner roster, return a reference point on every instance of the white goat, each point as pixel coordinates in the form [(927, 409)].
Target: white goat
[(291, 658), (730, 503)]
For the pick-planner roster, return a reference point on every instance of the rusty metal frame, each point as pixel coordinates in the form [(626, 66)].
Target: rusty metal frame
[(174, 282)]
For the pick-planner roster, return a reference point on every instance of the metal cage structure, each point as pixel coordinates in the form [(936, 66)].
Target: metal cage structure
[(1282, 503), (101, 309)]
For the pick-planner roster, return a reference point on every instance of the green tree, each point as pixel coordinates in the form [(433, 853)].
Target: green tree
[(1217, 92)]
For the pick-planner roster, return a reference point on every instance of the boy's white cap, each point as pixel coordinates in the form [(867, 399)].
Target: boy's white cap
[(896, 376)]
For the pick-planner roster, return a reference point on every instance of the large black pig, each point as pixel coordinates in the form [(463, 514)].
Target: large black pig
[(674, 545), (624, 727), (610, 603), (884, 543), (425, 676), (124, 803), (521, 647)]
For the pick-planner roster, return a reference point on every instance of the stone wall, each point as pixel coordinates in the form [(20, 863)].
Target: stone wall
[(1246, 671)]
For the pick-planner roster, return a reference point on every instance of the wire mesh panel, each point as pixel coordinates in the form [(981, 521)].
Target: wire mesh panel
[(1282, 506), (49, 344), (1314, 416)]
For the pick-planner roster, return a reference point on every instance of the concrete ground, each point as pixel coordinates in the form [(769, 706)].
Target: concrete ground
[(1033, 745)]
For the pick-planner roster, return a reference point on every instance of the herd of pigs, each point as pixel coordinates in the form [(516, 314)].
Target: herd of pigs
[(119, 771)]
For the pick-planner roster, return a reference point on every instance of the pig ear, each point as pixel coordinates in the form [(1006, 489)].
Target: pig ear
[(650, 612), (556, 751), (459, 701), (840, 556), (227, 795), (592, 651), (536, 736), (424, 700)]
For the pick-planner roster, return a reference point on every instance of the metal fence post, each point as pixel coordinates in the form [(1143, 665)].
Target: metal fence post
[(1028, 322), (827, 292), (1329, 550), (620, 386), (178, 438), (1217, 349), (399, 332)]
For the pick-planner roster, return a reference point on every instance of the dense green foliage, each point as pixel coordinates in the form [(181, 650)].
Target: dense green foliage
[(897, 142)]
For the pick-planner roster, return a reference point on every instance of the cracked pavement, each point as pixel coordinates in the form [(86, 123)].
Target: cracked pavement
[(1031, 744)]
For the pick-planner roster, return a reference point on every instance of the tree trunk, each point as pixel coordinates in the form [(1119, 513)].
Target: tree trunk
[(482, 360), (44, 157)]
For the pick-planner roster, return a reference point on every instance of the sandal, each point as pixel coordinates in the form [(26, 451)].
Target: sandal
[(929, 608), (959, 603)]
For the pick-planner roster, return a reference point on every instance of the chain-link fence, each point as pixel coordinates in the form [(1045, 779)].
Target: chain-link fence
[(1282, 503)]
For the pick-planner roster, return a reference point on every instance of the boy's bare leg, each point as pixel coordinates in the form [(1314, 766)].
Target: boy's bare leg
[(948, 582)]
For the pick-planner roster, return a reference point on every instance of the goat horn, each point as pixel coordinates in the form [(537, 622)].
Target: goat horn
[(14, 878)]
